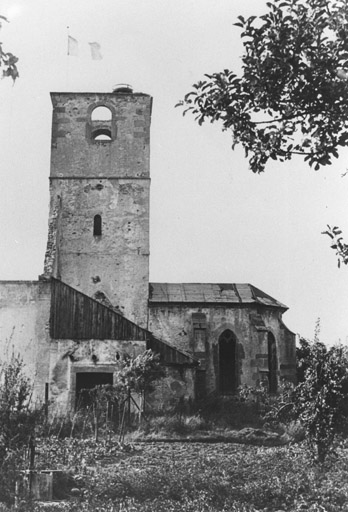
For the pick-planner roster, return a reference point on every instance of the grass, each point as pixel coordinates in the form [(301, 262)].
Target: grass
[(156, 476), (196, 477)]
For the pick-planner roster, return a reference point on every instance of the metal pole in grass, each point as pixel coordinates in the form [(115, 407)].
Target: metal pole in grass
[(46, 401), (122, 424), (31, 463), (129, 407)]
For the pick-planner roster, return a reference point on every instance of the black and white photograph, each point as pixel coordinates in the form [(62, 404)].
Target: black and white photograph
[(174, 256)]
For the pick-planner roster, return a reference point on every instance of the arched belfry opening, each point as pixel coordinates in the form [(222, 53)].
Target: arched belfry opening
[(272, 364), (101, 124), (101, 113), (228, 377)]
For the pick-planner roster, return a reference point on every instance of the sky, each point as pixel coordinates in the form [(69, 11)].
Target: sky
[(212, 219)]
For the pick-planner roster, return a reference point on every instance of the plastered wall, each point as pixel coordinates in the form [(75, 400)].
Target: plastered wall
[(24, 328)]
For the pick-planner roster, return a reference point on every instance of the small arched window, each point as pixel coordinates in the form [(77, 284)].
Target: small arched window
[(97, 225), (101, 114)]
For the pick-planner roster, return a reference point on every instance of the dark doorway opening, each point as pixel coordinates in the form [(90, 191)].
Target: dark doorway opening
[(272, 364), (85, 381), (227, 363)]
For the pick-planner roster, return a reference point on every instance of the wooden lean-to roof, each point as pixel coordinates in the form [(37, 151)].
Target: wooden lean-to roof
[(77, 316)]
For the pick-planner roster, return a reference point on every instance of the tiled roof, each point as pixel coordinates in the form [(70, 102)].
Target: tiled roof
[(231, 293)]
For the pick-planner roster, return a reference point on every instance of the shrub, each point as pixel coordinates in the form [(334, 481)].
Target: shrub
[(320, 402), (17, 422), (237, 411)]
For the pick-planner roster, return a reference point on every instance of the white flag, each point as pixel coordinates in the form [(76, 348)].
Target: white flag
[(73, 47), (95, 51)]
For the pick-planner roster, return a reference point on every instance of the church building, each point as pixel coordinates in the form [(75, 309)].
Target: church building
[(94, 302)]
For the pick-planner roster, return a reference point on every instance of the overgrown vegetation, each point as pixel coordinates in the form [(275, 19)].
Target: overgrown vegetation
[(17, 422), (109, 472), (291, 96), (198, 477)]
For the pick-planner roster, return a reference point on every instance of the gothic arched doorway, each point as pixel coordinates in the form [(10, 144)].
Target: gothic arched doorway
[(227, 363), (272, 364)]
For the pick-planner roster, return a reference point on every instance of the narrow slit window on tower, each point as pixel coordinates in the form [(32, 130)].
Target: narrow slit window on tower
[(97, 225)]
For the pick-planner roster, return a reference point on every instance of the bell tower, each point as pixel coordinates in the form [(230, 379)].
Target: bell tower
[(98, 239)]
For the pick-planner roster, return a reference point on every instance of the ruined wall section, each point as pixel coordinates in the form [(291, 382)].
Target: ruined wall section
[(51, 262), (69, 357), (24, 328), (175, 325), (109, 178)]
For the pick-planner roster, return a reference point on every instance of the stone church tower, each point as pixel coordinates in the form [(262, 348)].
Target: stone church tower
[(99, 197)]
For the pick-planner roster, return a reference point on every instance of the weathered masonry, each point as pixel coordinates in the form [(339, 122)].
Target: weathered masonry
[(235, 331), (94, 303)]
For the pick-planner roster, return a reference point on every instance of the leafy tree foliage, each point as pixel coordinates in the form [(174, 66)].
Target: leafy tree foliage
[(321, 399), (139, 373), (8, 61), (338, 244), (292, 95), (303, 353)]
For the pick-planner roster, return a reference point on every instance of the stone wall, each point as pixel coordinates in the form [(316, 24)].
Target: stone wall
[(24, 328), (175, 325), (177, 386), (116, 263)]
